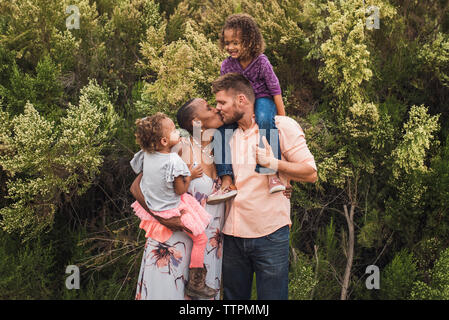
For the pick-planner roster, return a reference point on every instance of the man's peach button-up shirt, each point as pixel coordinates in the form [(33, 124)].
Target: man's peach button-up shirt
[(254, 212)]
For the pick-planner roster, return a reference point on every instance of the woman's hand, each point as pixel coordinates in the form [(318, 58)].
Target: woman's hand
[(174, 223), (196, 172)]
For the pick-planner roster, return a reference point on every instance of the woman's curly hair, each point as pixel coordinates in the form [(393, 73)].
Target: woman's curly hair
[(149, 131), (252, 39)]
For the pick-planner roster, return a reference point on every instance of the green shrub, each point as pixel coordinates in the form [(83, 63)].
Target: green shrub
[(302, 278), (438, 288), (46, 161), (398, 276), (27, 270), (185, 69), (113, 283), (43, 91), (329, 263)]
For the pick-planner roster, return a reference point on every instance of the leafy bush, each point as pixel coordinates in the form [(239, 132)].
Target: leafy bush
[(185, 69), (27, 271), (44, 90), (397, 278), (47, 161), (409, 172), (329, 263), (302, 279), (438, 288)]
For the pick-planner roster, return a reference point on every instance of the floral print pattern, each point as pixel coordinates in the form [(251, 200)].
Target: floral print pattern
[(165, 255), (216, 242), (165, 266)]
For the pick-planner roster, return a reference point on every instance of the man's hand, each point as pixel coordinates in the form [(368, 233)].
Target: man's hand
[(288, 191), (265, 157)]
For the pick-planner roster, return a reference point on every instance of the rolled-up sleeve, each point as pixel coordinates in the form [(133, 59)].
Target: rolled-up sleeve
[(293, 142)]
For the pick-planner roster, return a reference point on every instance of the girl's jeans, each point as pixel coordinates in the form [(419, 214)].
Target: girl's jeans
[(265, 111)]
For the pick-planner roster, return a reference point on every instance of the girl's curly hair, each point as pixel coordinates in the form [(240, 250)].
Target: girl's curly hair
[(149, 131), (252, 39)]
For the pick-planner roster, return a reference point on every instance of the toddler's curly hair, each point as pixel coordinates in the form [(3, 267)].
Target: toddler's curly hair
[(252, 39), (149, 131)]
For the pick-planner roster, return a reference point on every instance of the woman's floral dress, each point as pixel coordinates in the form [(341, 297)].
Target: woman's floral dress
[(165, 266)]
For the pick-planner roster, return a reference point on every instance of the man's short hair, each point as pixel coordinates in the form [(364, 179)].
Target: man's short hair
[(235, 82)]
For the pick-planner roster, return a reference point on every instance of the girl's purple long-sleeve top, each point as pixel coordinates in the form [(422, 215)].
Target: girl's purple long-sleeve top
[(259, 72)]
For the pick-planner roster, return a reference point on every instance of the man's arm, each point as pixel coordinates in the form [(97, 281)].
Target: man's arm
[(173, 224), (297, 171)]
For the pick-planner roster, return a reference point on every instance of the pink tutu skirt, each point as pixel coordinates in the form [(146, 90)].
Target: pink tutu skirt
[(195, 218)]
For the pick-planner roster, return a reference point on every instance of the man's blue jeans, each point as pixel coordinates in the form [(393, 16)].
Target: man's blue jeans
[(265, 111), (266, 256)]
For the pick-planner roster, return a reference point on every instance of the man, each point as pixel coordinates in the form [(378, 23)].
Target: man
[(256, 230)]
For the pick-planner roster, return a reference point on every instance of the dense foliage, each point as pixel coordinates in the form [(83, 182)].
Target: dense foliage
[(372, 102)]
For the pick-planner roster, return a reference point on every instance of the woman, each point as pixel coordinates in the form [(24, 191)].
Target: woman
[(164, 269)]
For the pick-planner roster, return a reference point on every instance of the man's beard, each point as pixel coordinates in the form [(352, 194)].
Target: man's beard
[(236, 116)]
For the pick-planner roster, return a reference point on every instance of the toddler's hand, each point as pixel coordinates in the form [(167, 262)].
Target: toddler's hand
[(196, 172)]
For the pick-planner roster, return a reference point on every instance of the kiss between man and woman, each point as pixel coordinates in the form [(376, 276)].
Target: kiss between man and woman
[(253, 232), (243, 152)]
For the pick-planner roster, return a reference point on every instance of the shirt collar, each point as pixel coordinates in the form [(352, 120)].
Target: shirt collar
[(251, 128)]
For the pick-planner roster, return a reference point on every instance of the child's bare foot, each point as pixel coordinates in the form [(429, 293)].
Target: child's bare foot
[(274, 184)]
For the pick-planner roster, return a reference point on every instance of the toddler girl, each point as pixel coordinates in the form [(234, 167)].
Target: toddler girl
[(242, 39), (165, 180)]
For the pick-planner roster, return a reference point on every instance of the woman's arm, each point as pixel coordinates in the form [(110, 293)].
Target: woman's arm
[(137, 193)]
